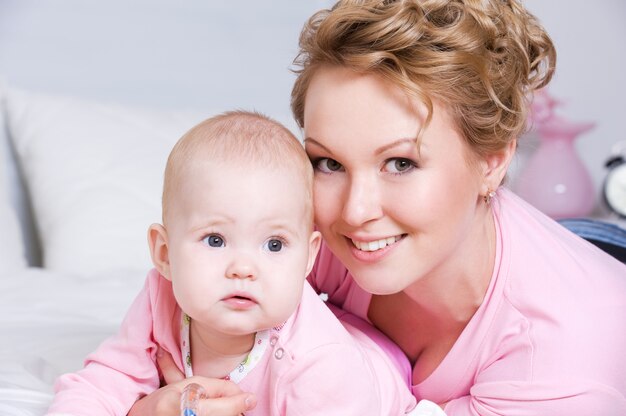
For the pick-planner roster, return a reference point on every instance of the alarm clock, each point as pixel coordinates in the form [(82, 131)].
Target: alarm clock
[(614, 187)]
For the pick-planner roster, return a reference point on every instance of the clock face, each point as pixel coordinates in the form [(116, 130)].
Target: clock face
[(615, 189)]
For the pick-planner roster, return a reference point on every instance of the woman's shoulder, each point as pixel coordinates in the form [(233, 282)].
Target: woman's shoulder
[(555, 298), (551, 273), (537, 248)]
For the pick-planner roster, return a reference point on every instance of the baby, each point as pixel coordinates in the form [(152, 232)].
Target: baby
[(228, 296)]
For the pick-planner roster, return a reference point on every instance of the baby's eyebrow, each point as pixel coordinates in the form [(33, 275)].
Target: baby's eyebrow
[(283, 229), (213, 222), (277, 225)]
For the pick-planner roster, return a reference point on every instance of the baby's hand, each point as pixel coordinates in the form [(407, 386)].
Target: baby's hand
[(223, 398)]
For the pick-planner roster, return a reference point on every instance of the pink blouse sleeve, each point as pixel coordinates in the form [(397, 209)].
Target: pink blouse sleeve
[(557, 397), (330, 276), (118, 373)]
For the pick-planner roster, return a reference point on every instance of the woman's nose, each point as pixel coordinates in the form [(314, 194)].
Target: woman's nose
[(362, 201)]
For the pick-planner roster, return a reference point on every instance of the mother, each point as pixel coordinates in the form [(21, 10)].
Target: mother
[(411, 111)]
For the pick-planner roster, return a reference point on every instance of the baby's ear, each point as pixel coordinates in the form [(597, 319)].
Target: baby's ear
[(157, 240), (314, 247)]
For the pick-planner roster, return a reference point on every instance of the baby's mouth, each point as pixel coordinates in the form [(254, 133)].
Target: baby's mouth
[(240, 297)]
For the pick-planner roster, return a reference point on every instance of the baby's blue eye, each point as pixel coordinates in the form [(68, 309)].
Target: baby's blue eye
[(274, 245), (214, 240)]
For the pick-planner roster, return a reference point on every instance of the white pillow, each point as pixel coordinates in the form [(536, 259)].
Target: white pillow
[(12, 254), (94, 174)]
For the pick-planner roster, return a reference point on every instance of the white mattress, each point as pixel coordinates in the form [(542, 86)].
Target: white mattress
[(49, 324)]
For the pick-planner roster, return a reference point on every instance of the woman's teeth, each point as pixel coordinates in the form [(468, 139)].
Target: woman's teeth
[(375, 245)]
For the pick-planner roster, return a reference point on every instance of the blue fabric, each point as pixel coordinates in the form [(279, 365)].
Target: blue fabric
[(609, 237), (596, 230)]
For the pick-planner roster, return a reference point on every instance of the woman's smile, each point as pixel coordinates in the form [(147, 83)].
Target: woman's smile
[(376, 245), (372, 251)]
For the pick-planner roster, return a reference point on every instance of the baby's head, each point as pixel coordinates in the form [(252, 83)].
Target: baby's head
[(237, 238), (247, 141)]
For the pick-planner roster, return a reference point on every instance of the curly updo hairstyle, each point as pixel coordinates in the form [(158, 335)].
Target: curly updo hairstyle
[(481, 58)]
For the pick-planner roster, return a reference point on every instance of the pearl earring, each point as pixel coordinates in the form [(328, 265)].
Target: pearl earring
[(489, 196)]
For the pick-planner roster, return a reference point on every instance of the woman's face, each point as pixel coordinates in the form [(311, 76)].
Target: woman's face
[(391, 213)]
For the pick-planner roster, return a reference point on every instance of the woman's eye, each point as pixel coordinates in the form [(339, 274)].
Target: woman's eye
[(214, 240), (399, 165), (274, 245), (328, 165)]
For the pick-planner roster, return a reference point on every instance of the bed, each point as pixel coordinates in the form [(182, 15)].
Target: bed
[(93, 95)]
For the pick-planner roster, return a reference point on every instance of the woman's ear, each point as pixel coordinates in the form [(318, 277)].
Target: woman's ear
[(314, 247), (495, 166), (157, 240)]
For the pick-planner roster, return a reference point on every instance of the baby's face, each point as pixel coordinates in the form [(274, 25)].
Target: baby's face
[(239, 246)]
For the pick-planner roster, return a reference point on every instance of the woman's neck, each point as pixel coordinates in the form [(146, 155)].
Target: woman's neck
[(215, 354), (426, 319), (453, 292)]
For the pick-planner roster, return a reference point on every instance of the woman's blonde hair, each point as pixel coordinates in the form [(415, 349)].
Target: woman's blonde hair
[(481, 58)]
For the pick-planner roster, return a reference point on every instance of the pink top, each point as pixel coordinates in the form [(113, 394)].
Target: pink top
[(550, 336), (313, 365)]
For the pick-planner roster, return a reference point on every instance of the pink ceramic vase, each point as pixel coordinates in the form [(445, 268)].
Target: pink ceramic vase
[(555, 180)]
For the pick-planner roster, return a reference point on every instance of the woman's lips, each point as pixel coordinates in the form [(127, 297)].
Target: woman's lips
[(373, 245), (371, 251)]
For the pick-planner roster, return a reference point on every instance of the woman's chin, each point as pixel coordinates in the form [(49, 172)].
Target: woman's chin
[(375, 282)]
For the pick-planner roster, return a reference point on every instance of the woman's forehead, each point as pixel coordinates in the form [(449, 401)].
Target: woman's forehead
[(354, 114), (337, 100)]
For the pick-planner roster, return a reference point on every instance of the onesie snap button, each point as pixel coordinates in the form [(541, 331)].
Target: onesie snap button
[(279, 353), (273, 340)]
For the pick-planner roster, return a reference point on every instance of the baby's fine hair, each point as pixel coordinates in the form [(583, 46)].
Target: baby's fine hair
[(249, 140), (481, 58)]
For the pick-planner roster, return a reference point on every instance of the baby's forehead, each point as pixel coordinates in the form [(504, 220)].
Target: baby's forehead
[(232, 175), (263, 198), (208, 153), (220, 166)]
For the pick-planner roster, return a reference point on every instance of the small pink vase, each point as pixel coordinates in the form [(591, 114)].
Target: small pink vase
[(555, 180)]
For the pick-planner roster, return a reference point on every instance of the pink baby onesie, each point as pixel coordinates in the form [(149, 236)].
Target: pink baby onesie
[(313, 364)]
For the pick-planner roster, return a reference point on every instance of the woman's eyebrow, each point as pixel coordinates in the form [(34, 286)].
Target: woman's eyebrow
[(382, 149), (396, 143), (316, 143)]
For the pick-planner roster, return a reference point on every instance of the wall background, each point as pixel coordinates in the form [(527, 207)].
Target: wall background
[(199, 54), (591, 44)]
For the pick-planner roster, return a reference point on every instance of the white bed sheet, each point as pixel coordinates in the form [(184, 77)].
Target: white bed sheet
[(50, 322)]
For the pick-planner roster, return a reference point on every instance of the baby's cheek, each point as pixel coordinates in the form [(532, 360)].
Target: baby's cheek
[(190, 298), (286, 304)]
